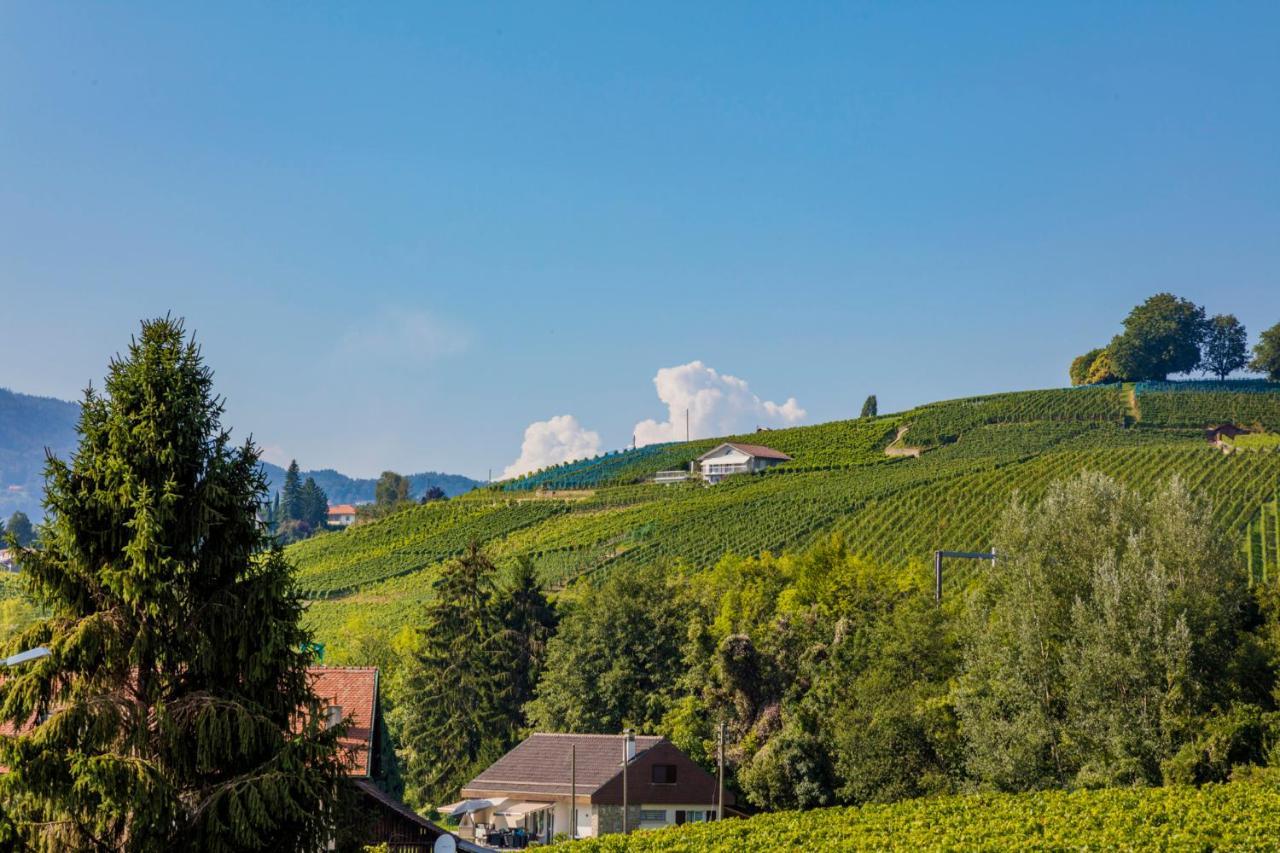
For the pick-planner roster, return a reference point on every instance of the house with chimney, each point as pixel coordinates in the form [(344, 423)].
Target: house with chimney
[(576, 784)]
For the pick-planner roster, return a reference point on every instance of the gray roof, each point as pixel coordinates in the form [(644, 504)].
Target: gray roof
[(540, 764)]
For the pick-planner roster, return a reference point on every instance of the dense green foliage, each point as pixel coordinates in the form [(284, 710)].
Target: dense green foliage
[(1082, 364), (870, 408), (18, 529), (1266, 354), (457, 684), (1239, 816), (1103, 639), (1161, 336), (167, 714), (1226, 346), (391, 489), (300, 509)]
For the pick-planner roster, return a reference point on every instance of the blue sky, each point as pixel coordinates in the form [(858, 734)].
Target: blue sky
[(405, 233)]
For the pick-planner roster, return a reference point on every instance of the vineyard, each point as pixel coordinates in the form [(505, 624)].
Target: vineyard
[(895, 510), (1199, 404), (1262, 542), (1237, 816)]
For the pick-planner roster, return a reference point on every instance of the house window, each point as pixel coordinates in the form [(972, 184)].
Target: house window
[(664, 774), (653, 815)]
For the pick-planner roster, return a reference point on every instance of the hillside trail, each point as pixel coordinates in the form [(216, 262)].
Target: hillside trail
[(1131, 398), (895, 448)]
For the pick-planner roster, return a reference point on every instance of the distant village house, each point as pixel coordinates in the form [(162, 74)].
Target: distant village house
[(341, 515)]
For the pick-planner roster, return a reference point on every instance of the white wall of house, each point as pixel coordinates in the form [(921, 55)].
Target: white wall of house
[(658, 816), (727, 462)]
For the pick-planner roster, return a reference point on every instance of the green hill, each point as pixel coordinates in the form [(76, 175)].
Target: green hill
[(896, 509), (1235, 816), (28, 425)]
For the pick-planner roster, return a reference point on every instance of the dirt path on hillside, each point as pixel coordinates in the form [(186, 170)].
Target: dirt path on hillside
[(1131, 397), (897, 448)]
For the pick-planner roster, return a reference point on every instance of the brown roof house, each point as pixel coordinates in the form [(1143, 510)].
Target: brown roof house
[(351, 694), (535, 787), (736, 458)]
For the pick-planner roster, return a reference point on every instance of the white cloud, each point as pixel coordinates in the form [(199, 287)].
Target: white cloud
[(550, 442), (717, 403), (274, 454), (402, 336)]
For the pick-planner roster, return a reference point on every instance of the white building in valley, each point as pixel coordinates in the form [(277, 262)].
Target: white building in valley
[(734, 458)]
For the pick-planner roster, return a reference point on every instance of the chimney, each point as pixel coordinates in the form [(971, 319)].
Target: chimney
[(630, 735), (333, 716)]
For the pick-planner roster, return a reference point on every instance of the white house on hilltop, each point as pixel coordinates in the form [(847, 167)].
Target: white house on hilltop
[(734, 458)]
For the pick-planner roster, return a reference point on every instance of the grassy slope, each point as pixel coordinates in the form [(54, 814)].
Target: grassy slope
[(1237, 816), (892, 509)]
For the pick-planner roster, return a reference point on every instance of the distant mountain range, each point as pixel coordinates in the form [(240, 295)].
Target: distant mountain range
[(29, 424), (342, 489)]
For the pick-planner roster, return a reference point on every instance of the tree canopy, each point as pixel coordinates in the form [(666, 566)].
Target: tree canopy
[(1101, 640), (20, 528), (1226, 346), (869, 407), (391, 489), (175, 709), (1266, 354), (1161, 336)]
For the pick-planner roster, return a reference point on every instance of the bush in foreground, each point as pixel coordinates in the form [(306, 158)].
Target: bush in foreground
[(1235, 816)]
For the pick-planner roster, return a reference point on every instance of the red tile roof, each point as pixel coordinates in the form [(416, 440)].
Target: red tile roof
[(342, 509), (355, 690), (540, 765)]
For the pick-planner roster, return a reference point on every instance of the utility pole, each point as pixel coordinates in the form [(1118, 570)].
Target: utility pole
[(686, 425), (626, 766), (573, 792), (720, 783)]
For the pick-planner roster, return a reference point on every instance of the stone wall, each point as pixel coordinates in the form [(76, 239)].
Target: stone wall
[(608, 819)]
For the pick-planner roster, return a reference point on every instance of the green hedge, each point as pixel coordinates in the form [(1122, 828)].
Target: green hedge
[(1237, 816)]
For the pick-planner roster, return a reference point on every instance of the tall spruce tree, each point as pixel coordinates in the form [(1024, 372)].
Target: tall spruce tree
[(870, 408), (454, 707), (291, 497), (175, 709), (529, 621), (313, 504)]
